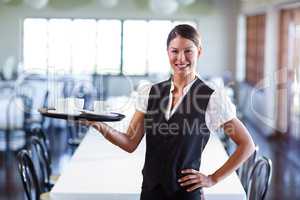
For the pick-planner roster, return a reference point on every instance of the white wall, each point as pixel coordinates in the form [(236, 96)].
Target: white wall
[(217, 23), (219, 38)]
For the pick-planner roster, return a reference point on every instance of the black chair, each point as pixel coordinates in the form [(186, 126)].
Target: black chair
[(245, 169), (38, 132), (41, 163), (44, 140), (260, 179), (29, 177)]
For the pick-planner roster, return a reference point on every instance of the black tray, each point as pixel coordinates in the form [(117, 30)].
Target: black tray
[(110, 117)]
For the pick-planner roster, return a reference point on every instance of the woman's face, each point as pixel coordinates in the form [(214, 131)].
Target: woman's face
[(183, 55)]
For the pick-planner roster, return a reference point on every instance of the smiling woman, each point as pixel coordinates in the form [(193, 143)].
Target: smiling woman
[(177, 116)]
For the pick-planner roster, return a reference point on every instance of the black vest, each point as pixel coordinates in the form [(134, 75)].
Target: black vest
[(177, 143)]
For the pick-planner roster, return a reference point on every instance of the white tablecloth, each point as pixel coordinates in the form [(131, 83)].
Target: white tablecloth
[(99, 170)]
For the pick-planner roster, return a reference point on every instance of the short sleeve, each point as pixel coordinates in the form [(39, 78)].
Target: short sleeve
[(143, 91), (219, 110)]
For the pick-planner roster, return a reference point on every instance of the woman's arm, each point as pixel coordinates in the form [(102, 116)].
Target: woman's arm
[(245, 147), (127, 141)]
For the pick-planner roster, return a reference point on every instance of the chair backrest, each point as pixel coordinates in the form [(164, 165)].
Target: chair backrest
[(40, 162), (28, 175), (260, 179), (245, 170), (38, 132)]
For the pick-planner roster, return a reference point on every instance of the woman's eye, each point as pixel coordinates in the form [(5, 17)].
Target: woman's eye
[(173, 51), (188, 51)]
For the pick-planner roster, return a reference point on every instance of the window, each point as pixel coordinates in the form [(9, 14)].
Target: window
[(108, 46), (83, 57), (135, 47), (158, 58), (145, 46), (86, 46), (35, 45), (59, 45)]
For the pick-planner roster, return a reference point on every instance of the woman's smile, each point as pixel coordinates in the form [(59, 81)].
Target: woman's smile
[(182, 66)]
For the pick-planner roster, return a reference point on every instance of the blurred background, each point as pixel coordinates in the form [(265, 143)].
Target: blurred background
[(100, 49)]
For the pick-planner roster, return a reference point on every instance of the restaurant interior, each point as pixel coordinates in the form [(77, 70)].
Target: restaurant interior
[(106, 51)]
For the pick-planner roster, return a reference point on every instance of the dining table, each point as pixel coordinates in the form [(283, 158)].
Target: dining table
[(100, 170)]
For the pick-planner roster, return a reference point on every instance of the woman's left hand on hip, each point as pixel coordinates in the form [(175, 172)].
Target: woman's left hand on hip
[(194, 179)]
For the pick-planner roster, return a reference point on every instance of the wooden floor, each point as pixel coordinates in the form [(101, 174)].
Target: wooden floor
[(284, 155)]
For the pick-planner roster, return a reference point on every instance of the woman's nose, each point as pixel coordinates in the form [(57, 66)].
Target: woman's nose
[(181, 57)]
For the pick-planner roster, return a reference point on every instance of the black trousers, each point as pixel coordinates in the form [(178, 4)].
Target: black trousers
[(158, 193)]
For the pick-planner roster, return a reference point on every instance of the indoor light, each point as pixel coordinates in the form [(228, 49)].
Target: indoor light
[(166, 7), (36, 4)]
